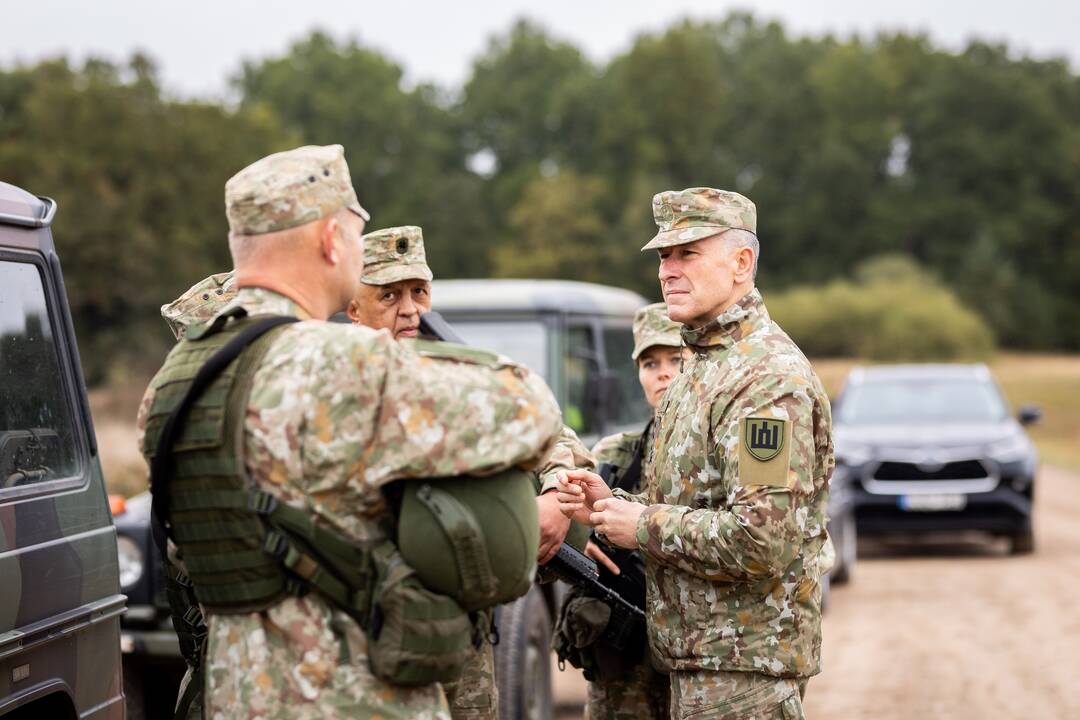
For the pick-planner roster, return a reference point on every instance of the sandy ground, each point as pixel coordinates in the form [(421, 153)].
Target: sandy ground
[(951, 628)]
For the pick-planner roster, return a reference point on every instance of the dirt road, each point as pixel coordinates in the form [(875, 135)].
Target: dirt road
[(960, 630), (955, 629)]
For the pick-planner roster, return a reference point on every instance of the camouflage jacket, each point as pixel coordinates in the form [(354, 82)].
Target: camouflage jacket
[(737, 483), (335, 413)]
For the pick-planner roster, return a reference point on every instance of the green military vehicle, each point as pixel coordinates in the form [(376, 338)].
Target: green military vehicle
[(579, 337), (60, 600)]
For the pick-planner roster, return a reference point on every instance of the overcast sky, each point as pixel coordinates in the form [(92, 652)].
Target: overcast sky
[(198, 44)]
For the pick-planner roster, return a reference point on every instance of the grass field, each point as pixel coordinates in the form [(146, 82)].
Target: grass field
[(1050, 381)]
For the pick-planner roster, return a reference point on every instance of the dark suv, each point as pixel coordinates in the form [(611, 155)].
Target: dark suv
[(933, 447), (60, 601)]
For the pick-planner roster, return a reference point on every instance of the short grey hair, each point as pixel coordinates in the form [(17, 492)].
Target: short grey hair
[(739, 238)]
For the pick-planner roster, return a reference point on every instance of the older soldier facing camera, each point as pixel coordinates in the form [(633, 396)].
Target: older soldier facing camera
[(733, 520), (396, 282), (326, 415), (396, 291)]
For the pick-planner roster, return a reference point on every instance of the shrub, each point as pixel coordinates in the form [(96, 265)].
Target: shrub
[(892, 312)]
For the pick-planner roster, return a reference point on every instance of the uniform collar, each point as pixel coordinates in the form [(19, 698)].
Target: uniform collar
[(730, 326), (261, 301)]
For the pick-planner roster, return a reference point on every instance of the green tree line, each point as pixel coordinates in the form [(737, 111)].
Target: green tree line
[(544, 163)]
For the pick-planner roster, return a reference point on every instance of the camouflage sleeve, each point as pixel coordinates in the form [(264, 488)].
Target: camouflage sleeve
[(765, 448), (450, 415), (569, 453)]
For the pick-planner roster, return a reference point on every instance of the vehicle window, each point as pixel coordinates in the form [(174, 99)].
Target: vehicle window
[(578, 412), (618, 345), (921, 400), (522, 340), (37, 442)]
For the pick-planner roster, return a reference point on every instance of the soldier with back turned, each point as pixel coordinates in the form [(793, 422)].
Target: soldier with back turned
[(332, 414)]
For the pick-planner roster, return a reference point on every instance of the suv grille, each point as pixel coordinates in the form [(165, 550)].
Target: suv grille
[(958, 470)]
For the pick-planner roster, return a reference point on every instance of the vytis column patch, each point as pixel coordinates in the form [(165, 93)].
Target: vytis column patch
[(764, 452)]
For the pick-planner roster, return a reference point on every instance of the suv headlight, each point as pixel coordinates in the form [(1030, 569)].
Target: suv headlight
[(131, 561), (1010, 450)]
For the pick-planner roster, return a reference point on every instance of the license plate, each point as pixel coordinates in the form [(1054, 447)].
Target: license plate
[(934, 502)]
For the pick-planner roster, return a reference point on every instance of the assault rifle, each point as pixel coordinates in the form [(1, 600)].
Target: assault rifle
[(627, 616)]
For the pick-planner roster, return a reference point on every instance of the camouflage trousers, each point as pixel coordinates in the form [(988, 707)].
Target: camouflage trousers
[(643, 696), (475, 696), (713, 695)]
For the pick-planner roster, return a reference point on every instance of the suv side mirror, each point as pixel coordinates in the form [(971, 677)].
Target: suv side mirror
[(1029, 414)]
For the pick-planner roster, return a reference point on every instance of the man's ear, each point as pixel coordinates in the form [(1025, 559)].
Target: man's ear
[(353, 311), (744, 264), (328, 237)]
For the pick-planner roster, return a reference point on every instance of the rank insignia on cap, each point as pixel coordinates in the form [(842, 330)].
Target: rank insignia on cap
[(665, 215), (764, 452)]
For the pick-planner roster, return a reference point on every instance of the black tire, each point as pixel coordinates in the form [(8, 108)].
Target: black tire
[(1023, 541), (523, 659), (847, 551)]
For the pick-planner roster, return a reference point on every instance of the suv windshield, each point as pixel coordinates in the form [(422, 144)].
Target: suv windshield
[(521, 340), (918, 400)]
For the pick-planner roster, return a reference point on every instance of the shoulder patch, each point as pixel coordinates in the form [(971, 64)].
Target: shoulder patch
[(764, 452)]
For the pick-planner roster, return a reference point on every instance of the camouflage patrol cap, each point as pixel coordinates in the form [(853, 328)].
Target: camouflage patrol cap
[(200, 303), (684, 216), (394, 254), (290, 188), (652, 326)]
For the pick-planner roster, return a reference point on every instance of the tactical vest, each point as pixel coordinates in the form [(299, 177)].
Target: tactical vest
[(471, 539), (243, 550)]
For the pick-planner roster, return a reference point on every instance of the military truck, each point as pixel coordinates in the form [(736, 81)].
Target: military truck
[(60, 600)]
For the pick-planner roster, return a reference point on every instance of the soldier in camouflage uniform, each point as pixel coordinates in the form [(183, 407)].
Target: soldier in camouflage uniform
[(335, 413), (396, 279), (732, 522), (644, 693), (199, 303), (397, 290)]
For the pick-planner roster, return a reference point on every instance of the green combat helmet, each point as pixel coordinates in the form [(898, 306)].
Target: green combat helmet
[(472, 538)]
